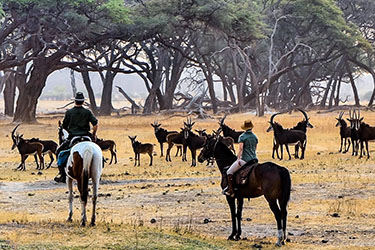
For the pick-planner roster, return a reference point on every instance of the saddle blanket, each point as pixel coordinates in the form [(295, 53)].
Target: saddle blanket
[(62, 158)]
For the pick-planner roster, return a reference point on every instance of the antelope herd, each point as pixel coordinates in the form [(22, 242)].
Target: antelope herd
[(357, 134)]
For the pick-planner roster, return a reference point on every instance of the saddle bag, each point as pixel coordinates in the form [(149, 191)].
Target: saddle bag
[(242, 175)]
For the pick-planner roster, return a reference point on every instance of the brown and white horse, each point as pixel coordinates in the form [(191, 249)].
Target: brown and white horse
[(84, 162)]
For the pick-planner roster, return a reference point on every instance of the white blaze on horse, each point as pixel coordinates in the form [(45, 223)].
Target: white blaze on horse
[(85, 161)]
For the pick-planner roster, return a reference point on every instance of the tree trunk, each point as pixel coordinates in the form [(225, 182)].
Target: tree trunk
[(9, 93), (29, 94), (90, 91), (355, 91), (106, 102)]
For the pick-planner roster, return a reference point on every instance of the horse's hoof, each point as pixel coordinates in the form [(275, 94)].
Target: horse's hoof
[(231, 237)]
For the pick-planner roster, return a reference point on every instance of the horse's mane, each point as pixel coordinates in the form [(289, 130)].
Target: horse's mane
[(228, 128)]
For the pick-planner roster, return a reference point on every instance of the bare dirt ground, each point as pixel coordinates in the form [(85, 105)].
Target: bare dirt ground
[(331, 204)]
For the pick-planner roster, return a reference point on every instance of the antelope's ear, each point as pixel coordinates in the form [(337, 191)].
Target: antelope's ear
[(129, 137), (21, 135), (337, 118), (59, 123), (196, 130), (361, 119), (152, 124), (192, 124), (204, 130), (349, 119)]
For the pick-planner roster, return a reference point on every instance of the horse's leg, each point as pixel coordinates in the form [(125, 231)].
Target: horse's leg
[(95, 185), (70, 187), (284, 215), (232, 206), (239, 217), (84, 218), (277, 213)]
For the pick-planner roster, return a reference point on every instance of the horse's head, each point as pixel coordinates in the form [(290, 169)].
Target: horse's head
[(208, 149), (62, 133)]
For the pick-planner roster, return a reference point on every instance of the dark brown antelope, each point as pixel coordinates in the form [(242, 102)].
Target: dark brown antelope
[(26, 148), (227, 131), (355, 123), (108, 145), (193, 141), (302, 125), (141, 148), (366, 133), (285, 137), (161, 135), (49, 147), (344, 132), (178, 140)]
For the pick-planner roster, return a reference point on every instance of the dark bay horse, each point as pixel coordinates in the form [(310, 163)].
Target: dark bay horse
[(268, 179)]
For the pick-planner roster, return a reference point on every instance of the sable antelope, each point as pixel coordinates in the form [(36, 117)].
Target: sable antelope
[(84, 162), (26, 148), (302, 125), (268, 179), (228, 141), (227, 131), (141, 148), (49, 147), (284, 137), (161, 135), (193, 141), (178, 140), (354, 127), (344, 132), (108, 145), (366, 133)]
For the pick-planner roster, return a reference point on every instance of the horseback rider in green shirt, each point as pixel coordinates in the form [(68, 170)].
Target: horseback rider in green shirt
[(246, 154), (77, 122)]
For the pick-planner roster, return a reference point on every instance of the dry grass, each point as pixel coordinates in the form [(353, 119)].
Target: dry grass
[(179, 197)]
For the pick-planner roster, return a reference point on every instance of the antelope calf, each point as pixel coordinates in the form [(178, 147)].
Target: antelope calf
[(141, 148), (26, 148), (178, 140), (227, 141), (108, 145)]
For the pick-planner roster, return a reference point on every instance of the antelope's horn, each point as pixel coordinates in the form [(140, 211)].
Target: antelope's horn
[(304, 114), (272, 117), (14, 130)]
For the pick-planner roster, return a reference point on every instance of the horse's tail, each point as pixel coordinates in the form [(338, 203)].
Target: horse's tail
[(87, 159), (286, 185)]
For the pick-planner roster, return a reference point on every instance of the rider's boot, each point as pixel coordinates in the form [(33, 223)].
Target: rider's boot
[(61, 177), (229, 189)]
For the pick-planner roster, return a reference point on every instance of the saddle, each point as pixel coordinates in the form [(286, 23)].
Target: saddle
[(241, 177)]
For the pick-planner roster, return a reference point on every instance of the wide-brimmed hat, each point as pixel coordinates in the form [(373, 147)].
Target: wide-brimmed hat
[(247, 124), (79, 97)]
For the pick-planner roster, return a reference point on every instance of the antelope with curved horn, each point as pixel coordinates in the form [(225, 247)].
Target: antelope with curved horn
[(227, 131), (193, 141), (354, 127), (227, 141), (285, 137), (344, 132), (161, 135), (26, 148), (302, 125)]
